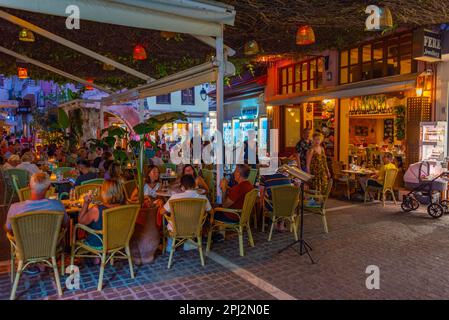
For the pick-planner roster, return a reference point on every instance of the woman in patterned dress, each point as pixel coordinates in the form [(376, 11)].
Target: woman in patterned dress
[(317, 164)]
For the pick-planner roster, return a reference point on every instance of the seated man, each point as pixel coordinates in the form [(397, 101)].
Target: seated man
[(85, 172), (377, 180), (188, 186), (233, 198), (39, 184)]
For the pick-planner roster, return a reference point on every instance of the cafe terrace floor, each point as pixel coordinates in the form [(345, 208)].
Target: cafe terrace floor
[(411, 251)]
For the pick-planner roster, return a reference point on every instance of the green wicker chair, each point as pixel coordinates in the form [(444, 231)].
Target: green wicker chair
[(36, 239), (253, 176), (187, 218), (65, 171), (209, 178), (21, 181), (321, 200), (93, 181), (239, 226), (285, 200), (172, 166), (118, 227)]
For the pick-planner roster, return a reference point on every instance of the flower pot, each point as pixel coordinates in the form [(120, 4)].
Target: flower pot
[(145, 239)]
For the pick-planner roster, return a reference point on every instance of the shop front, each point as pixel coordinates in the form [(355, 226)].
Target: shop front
[(365, 100)]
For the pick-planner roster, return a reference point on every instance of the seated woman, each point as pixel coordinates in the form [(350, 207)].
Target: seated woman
[(151, 186), (377, 180), (199, 181), (111, 196)]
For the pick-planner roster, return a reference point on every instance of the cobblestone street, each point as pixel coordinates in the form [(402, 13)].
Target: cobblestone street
[(411, 251)]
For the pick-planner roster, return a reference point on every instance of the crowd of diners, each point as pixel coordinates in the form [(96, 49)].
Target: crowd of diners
[(94, 163)]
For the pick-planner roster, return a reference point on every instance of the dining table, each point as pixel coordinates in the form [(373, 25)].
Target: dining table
[(73, 208)]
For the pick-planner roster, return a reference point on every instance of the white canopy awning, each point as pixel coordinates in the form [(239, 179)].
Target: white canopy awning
[(202, 17), (204, 73)]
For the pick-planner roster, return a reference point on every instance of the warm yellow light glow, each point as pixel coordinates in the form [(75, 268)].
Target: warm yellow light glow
[(419, 92)]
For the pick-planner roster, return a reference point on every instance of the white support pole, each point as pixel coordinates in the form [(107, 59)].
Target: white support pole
[(101, 118), (219, 102), (141, 103)]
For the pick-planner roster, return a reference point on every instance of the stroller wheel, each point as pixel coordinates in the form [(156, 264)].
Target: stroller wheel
[(445, 205), (409, 204), (435, 210)]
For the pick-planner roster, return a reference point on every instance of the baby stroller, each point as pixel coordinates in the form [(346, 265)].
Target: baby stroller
[(425, 191)]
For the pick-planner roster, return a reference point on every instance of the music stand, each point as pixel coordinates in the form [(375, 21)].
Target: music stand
[(304, 247)]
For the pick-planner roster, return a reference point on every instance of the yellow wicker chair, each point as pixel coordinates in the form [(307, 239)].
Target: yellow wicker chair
[(35, 239), (389, 179), (285, 200), (25, 193), (187, 219), (93, 181), (209, 178), (321, 200), (80, 190), (239, 226), (341, 179), (128, 188), (118, 227)]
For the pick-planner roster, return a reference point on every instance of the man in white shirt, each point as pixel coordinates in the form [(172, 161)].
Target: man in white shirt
[(188, 185), (26, 164)]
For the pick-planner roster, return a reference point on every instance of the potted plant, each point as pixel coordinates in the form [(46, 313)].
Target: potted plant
[(146, 236)]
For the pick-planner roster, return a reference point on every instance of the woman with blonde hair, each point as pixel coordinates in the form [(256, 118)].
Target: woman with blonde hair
[(111, 196), (317, 164)]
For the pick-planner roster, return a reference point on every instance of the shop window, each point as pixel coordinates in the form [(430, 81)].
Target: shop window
[(164, 99), (303, 76), (387, 57), (188, 96)]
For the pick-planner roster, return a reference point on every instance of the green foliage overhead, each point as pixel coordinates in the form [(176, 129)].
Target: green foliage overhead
[(63, 119)]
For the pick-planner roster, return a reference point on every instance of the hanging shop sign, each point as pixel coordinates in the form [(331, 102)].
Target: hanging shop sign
[(250, 112), (426, 45), (24, 107)]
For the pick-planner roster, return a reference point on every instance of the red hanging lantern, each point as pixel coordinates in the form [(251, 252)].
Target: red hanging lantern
[(139, 52), (305, 36), (89, 88), (22, 73)]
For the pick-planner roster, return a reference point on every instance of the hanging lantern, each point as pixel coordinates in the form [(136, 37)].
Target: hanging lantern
[(139, 53), (89, 88), (167, 35), (203, 94), (386, 19), (305, 36), (251, 48), (108, 67), (22, 73), (26, 35)]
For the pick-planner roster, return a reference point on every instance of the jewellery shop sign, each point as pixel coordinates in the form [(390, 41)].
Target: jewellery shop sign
[(427, 45)]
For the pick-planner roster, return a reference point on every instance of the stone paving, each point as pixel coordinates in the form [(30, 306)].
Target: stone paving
[(411, 251)]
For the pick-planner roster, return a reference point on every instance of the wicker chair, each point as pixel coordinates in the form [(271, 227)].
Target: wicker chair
[(285, 200), (118, 227), (62, 170), (243, 222), (187, 219), (128, 188), (36, 239), (93, 181), (342, 179), (253, 176), (209, 178), (21, 181), (321, 200), (25, 193), (80, 190), (389, 179)]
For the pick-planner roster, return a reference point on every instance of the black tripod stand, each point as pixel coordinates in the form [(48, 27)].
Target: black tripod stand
[(304, 247)]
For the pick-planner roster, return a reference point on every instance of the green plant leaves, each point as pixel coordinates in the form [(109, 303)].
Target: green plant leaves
[(63, 119), (110, 141)]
